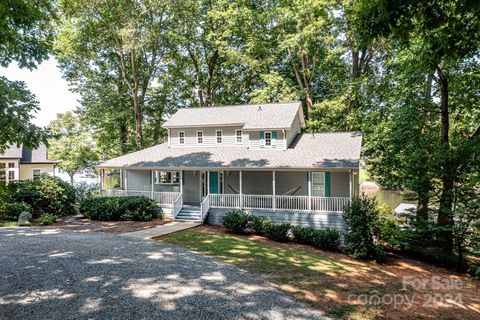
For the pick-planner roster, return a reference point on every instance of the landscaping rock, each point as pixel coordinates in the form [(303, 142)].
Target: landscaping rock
[(25, 218)]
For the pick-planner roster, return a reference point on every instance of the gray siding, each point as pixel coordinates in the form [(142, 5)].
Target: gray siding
[(138, 180), (339, 184), (191, 187), (296, 129), (232, 178), (209, 137), (287, 180), (315, 220), (257, 182), (255, 142)]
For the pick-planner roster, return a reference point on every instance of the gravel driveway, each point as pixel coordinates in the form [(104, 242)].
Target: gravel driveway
[(64, 274)]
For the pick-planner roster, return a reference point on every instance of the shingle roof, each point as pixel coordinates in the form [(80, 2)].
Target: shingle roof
[(12, 152), (323, 150), (253, 116), (26, 155)]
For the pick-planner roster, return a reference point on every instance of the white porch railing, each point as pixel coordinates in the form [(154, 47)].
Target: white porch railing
[(177, 205), (205, 206), (270, 202), (160, 197)]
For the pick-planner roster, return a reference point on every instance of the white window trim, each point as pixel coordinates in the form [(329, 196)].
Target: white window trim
[(179, 138), (221, 136), (236, 136), (324, 184), (265, 139), (33, 175), (200, 131)]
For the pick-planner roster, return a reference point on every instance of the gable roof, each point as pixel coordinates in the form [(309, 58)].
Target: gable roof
[(38, 155), (251, 116), (340, 150)]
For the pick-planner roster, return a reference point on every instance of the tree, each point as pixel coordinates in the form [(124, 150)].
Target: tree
[(446, 31), (25, 38), (71, 144)]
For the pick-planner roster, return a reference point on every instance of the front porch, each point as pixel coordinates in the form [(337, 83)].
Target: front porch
[(264, 191)]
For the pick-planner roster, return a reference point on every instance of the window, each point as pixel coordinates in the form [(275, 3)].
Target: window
[(11, 164), (181, 137), (166, 177), (36, 174), (268, 139), (318, 184), (11, 175), (238, 136), (200, 136), (218, 134)]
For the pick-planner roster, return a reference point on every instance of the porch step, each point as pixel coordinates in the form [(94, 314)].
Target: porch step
[(189, 213)]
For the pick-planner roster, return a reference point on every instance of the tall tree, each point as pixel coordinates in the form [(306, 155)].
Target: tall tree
[(25, 38)]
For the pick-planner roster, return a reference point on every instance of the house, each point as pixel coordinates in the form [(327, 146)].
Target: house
[(21, 163), (250, 157)]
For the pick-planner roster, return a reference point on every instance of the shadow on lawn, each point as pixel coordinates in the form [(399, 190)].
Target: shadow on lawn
[(60, 274), (335, 283)]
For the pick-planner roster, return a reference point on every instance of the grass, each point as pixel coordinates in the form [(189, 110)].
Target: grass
[(324, 280), (8, 224)]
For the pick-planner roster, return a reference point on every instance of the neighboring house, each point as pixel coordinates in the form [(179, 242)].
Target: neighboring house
[(250, 157), (20, 163)]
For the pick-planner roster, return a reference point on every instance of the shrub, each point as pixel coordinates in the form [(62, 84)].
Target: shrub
[(11, 211), (304, 235), (84, 190), (277, 232), (46, 219), (328, 239), (44, 195), (236, 221), (361, 219), (260, 224), (116, 208)]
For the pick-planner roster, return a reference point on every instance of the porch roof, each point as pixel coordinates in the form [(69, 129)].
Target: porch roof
[(339, 150)]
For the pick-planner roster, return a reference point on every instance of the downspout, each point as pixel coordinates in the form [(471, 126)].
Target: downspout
[(284, 139)]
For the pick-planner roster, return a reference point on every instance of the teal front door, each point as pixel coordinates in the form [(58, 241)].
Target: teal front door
[(213, 182)]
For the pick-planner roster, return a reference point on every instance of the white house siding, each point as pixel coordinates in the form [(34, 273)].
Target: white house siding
[(256, 143), (317, 220), (295, 129), (26, 170), (209, 137)]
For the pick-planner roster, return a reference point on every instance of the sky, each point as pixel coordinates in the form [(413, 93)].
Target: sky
[(50, 89)]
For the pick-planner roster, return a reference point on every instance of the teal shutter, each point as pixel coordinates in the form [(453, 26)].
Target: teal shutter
[(274, 135), (327, 184), (262, 138)]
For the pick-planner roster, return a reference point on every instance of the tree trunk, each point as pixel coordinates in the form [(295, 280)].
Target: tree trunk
[(71, 174), (445, 220), (122, 137)]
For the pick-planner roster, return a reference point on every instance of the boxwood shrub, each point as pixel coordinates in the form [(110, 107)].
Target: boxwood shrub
[(119, 208), (277, 232), (236, 221), (260, 225), (326, 239), (11, 211)]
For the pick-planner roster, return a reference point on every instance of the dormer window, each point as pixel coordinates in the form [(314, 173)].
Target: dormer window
[(199, 136), (238, 137), (219, 135), (181, 137), (268, 139)]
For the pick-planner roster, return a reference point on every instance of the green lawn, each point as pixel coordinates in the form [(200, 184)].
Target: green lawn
[(310, 276), (8, 224)]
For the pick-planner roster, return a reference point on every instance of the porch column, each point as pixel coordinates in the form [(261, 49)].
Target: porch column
[(151, 182), (309, 178), (241, 196), (274, 200), (350, 184), (7, 172), (181, 182), (100, 183), (125, 192)]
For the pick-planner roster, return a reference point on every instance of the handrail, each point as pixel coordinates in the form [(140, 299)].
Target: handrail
[(177, 205), (204, 207)]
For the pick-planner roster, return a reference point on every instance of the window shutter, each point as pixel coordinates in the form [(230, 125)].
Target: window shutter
[(262, 137), (274, 135), (327, 184)]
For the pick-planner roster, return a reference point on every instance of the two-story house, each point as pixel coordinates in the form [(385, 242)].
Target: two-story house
[(250, 157), (21, 163)]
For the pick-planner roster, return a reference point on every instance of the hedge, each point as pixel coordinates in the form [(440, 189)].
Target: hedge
[(119, 208)]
